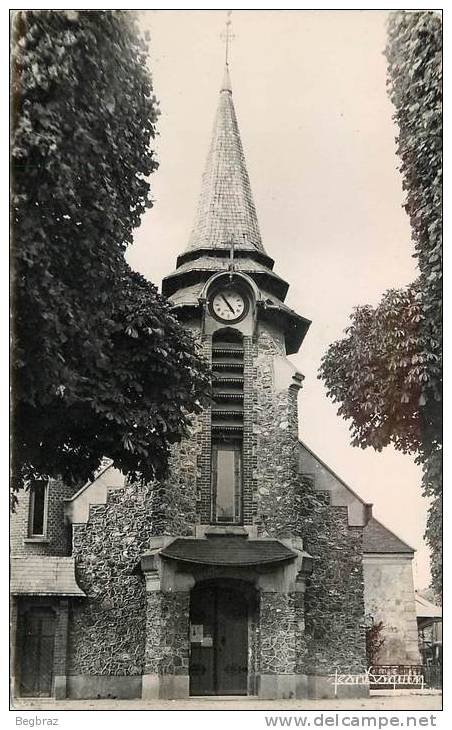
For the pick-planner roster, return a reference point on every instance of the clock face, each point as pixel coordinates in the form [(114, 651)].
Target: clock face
[(228, 305)]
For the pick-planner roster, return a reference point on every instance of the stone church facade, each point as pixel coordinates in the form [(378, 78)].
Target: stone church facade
[(252, 569)]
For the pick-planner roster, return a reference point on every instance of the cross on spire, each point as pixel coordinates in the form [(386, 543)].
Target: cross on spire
[(227, 36)]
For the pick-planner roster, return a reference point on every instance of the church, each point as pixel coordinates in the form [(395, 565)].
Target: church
[(253, 569)]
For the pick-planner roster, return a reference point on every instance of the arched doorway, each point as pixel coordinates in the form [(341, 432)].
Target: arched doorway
[(221, 614)]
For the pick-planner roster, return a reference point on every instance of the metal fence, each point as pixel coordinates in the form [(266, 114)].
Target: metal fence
[(399, 676)]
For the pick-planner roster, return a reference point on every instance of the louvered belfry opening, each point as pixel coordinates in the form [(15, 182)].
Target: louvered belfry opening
[(227, 426)]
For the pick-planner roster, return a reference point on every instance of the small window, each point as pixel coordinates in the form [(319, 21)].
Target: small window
[(227, 481), (38, 508)]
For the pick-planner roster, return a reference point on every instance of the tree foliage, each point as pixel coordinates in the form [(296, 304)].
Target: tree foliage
[(101, 367), (386, 373)]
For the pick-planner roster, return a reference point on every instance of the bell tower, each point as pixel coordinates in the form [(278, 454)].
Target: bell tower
[(244, 562), (224, 288)]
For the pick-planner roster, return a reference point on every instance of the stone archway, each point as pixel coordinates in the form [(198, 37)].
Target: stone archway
[(205, 591)]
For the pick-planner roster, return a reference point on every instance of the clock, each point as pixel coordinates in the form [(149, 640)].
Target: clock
[(228, 305)]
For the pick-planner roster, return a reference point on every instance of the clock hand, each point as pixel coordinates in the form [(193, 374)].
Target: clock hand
[(226, 301)]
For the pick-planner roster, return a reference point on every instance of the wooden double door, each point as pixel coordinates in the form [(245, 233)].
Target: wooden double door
[(218, 639)]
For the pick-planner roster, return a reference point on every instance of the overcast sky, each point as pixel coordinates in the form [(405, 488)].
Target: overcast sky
[(315, 121)]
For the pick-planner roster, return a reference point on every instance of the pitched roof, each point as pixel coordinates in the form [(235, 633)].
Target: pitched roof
[(378, 539), (204, 266), (295, 326), (42, 575), (214, 263), (188, 296), (427, 609), (226, 209)]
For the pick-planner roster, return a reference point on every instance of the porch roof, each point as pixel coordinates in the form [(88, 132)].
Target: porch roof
[(44, 575), (229, 550)]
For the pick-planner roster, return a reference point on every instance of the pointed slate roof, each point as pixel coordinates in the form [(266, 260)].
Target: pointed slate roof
[(226, 215), (226, 209)]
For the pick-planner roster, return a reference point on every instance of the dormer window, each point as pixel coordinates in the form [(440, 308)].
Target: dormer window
[(38, 508)]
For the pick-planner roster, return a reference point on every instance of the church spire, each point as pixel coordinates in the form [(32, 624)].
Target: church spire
[(226, 211)]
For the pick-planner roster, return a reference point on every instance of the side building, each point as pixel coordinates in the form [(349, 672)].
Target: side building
[(389, 595)]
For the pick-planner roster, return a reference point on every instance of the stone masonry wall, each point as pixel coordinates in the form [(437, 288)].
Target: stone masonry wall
[(108, 629), (176, 500), (167, 646), (334, 599), (282, 632), (203, 449), (287, 504), (275, 444)]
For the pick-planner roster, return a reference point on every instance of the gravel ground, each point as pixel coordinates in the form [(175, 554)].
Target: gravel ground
[(417, 702)]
